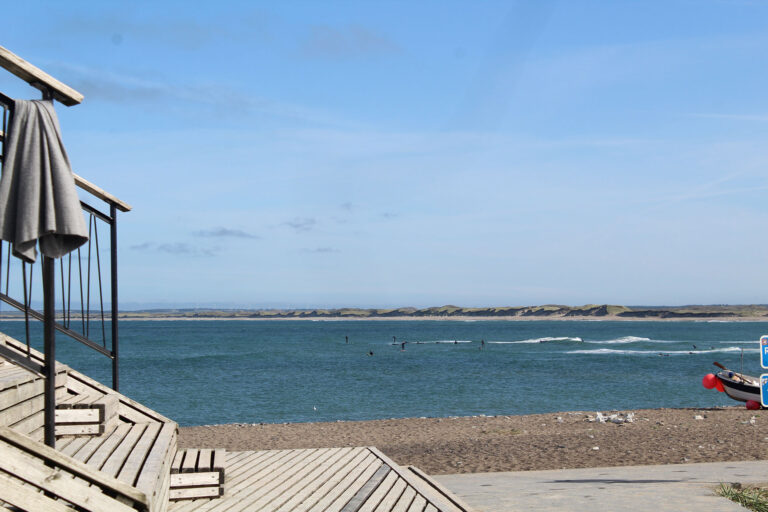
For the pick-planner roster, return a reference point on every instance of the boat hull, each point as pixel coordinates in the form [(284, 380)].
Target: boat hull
[(741, 391)]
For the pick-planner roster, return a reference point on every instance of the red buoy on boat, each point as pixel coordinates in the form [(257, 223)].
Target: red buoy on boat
[(710, 381), (719, 385), (752, 405)]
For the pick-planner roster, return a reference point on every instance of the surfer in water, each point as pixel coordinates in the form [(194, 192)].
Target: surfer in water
[(482, 344), (402, 346)]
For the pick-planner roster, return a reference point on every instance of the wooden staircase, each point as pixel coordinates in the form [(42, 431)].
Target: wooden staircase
[(103, 439)]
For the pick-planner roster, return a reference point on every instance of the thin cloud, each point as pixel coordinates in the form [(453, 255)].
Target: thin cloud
[(122, 89), (390, 215), (350, 42), (348, 206), (322, 250), (175, 248), (225, 233), (301, 225)]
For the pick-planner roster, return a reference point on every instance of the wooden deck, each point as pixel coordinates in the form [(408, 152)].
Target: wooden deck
[(129, 465), (325, 479)]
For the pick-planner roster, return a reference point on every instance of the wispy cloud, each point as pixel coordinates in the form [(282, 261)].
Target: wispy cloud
[(101, 84), (389, 215), (348, 206), (301, 224), (221, 232), (322, 250), (350, 42), (175, 248)]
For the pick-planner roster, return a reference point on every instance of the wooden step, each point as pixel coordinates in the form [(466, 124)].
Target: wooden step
[(197, 474), (86, 415), (36, 477)]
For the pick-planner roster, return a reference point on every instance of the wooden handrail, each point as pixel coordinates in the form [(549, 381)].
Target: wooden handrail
[(101, 193), (38, 78)]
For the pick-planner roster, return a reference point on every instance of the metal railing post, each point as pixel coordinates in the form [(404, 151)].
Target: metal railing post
[(113, 287), (49, 348)]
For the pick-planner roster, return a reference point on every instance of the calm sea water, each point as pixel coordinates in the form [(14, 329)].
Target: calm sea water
[(208, 372)]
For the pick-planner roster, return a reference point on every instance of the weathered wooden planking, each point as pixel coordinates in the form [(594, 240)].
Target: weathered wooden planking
[(317, 475), (441, 498), (195, 479), (189, 464), (389, 500), (186, 493), (261, 478), (84, 429), (18, 393), (139, 453), (343, 491), (154, 478), (30, 423), (405, 500), (287, 480), (77, 415), (418, 505), (381, 491), (437, 486), (26, 497), (338, 482), (107, 446), (38, 78), (22, 410), (117, 458), (55, 481), (51, 457), (365, 492)]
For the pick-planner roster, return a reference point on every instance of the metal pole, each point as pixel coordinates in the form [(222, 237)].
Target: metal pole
[(49, 347), (113, 272)]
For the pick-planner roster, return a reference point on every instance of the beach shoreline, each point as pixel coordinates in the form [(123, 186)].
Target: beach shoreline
[(562, 440)]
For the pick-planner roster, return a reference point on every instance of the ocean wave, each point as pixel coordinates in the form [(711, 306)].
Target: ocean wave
[(612, 351), (623, 339), (540, 340)]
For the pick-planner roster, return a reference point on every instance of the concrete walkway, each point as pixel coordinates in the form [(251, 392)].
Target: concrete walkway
[(673, 488)]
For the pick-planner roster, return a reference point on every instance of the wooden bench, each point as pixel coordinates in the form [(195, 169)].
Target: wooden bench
[(86, 414), (197, 474)]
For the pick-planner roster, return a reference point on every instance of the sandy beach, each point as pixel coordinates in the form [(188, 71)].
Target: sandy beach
[(518, 443)]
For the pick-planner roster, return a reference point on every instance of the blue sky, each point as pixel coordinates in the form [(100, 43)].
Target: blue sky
[(419, 153)]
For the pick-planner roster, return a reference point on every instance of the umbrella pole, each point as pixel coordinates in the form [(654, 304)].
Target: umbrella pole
[(49, 348)]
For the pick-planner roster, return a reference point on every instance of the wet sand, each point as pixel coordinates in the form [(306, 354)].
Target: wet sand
[(518, 443)]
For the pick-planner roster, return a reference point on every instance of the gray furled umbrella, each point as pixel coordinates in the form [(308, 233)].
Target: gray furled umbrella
[(38, 200)]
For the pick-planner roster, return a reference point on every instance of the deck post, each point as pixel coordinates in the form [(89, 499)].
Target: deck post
[(49, 348), (113, 289)]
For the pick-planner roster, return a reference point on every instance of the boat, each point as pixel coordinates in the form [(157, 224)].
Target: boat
[(739, 386)]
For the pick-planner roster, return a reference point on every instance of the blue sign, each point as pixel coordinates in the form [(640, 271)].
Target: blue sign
[(764, 351), (764, 389)]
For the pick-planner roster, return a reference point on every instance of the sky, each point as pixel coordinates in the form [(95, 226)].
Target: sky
[(386, 154)]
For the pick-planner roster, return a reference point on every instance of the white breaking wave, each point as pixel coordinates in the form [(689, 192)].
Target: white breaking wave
[(611, 351), (623, 339), (539, 340)]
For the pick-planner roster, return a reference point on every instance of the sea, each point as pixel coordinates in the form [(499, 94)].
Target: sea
[(205, 372)]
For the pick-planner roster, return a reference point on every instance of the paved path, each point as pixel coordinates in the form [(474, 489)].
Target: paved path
[(673, 488)]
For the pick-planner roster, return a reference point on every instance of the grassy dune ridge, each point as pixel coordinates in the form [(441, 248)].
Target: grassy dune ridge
[(547, 311)]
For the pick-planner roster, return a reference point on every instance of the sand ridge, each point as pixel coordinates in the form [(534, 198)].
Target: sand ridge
[(517, 443)]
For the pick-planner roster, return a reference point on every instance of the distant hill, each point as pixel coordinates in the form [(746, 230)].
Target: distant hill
[(547, 311)]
